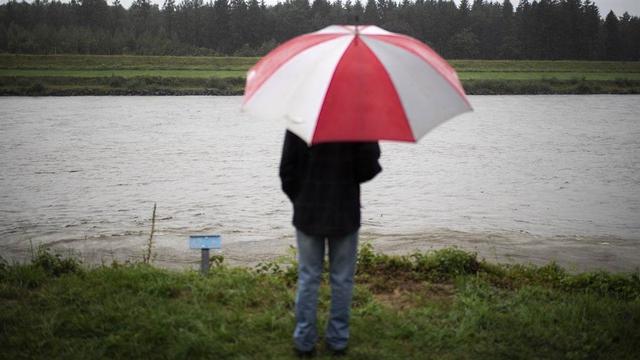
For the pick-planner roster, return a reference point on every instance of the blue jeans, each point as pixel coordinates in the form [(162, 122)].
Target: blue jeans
[(342, 264)]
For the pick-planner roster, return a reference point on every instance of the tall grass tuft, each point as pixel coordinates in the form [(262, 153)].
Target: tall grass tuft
[(147, 256), (54, 264)]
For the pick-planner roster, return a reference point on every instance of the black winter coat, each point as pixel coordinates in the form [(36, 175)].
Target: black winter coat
[(323, 183)]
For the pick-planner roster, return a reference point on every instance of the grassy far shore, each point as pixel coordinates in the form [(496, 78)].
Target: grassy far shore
[(167, 75), (444, 304)]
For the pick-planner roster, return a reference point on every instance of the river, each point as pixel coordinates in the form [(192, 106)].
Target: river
[(521, 179)]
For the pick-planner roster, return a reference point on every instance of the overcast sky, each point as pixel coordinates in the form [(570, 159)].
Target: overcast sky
[(618, 6)]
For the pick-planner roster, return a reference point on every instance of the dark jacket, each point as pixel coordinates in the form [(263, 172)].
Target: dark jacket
[(323, 183)]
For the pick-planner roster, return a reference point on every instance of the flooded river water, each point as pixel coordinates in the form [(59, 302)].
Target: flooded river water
[(521, 179)]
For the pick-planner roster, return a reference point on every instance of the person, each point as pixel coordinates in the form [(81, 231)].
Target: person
[(323, 183)]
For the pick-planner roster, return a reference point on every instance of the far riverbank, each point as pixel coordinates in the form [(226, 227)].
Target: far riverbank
[(80, 75)]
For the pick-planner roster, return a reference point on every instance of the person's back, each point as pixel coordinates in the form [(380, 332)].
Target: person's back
[(323, 183)]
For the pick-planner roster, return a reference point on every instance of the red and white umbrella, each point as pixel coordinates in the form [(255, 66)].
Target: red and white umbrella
[(355, 83)]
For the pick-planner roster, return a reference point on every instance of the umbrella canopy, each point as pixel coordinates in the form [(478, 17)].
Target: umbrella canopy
[(355, 83)]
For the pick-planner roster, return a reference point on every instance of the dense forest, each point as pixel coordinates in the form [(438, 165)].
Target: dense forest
[(474, 29)]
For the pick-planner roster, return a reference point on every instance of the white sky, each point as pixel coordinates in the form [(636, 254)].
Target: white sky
[(618, 6)]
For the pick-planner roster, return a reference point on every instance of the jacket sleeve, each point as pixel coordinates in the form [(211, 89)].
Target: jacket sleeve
[(289, 166), (366, 161)]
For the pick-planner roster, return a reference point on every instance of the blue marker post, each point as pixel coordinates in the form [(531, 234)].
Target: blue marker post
[(204, 243)]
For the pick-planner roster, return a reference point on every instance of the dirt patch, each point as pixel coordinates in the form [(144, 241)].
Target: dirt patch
[(412, 294)]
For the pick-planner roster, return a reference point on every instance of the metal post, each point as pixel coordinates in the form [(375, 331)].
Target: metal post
[(204, 262), (204, 243)]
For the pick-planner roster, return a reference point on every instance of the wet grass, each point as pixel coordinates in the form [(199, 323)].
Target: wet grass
[(445, 304), (565, 66), (124, 62), (548, 75), (177, 73), (37, 75), (551, 86), (118, 85), (155, 85), (203, 73), (127, 62)]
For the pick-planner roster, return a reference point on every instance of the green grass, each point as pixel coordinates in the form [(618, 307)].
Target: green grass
[(549, 75), (124, 62), (127, 62), (148, 85), (442, 305), (180, 73), (572, 66), (77, 74), (123, 73), (119, 85), (550, 86)]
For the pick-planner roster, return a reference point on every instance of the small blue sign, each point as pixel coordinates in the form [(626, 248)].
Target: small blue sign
[(204, 242)]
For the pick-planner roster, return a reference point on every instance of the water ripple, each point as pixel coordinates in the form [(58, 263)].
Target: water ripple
[(90, 169)]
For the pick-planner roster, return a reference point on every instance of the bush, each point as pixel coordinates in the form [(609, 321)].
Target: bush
[(381, 264), (235, 81), (602, 283), (284, 268), (117, 81), (442, 264), (37, 88), (216, 83), (54, 264), (366, 256), (446, 263)]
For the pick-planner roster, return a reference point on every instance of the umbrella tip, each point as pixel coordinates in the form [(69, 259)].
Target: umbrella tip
[(357, 22)]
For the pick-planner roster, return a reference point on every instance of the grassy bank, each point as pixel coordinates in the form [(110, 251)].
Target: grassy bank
[(118, 85), (157, 75), (443, 304), (155, 85)]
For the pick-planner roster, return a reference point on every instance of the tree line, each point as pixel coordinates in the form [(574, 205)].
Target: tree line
[(477, 29)]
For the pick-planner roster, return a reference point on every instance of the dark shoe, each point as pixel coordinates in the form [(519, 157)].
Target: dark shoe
[(305, 354)]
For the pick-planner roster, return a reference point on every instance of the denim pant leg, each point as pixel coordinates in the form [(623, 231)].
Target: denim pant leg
[(310, 258), (342, 265)]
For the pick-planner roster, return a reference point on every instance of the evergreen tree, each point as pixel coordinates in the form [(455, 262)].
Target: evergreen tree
[(371, 16), (630, 35), (590, 31), (538, 29), (508, 48), (612, 41), (357, 12), (464, 15), (220, 36), (238, 24), (320, 14)]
